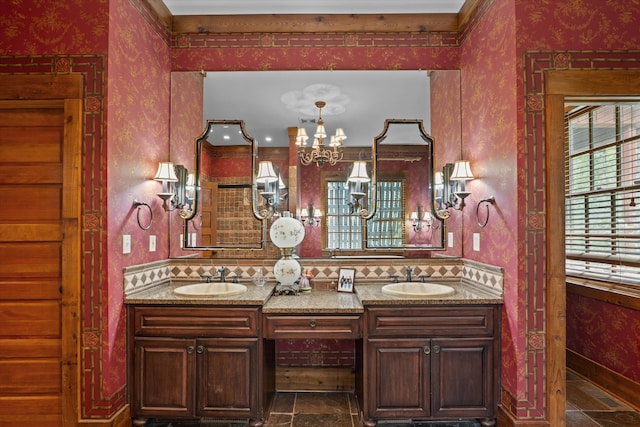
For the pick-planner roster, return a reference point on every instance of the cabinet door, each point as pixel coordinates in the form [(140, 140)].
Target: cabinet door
[(398, 378), (462, 383), (228, 377), (163, 377)]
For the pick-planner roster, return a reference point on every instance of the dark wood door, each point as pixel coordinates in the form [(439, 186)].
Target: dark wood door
[(399, 372), (40, 146), (462, 377), (164, 373), (228, 377)]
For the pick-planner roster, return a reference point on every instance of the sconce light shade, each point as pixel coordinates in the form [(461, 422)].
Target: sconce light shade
[(438, 178), (166, 172), (359, 172), (301, 137), (266, 173), (461, 171)]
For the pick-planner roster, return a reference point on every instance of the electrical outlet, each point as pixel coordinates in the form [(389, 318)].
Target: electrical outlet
[(126, 244), (181, 240), (450, 239), (152, 243), (193, 239), (476, 242)]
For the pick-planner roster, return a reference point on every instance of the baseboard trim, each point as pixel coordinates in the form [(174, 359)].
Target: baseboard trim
[(122, 418), (618, 385), (506, 419), (314, 379)]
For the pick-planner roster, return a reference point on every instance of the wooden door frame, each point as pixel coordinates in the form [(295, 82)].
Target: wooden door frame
[(67, 91), (560, 85)]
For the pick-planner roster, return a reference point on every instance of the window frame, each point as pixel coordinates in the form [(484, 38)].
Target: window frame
[(592, 261)]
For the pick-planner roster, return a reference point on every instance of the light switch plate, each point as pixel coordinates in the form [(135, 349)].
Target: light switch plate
[(476, 242), (181, 240), (450, 239), (126, 243), (193, 239), (152, 243)]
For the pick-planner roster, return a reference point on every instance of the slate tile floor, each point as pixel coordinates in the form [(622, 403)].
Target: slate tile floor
[(587, 406), (590, 406)]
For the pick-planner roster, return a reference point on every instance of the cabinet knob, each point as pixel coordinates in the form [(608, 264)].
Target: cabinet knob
[(200, 349), (191, 349), (427, 349), (312, 323), (436, 349)]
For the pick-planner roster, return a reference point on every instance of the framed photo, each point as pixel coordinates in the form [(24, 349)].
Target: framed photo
[(345, 279)]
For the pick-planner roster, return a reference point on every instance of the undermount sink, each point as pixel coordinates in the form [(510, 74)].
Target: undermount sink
[(217, 289), (417, 290)]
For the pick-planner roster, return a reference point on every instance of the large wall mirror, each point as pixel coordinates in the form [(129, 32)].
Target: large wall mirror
[(272, 103)]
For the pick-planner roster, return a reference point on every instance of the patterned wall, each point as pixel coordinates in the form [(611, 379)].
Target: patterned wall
[(506, 47)]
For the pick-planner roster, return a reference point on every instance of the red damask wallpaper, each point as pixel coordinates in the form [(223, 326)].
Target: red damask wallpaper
[(126, 59)]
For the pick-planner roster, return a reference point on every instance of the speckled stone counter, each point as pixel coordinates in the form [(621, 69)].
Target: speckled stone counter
[(466, 293), (163, 294), (316, 301)]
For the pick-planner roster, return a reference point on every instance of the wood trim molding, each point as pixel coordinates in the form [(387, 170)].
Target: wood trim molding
[(121, 419), (506, 419), (314, 23), (611, 293), (616, 384), (307, 23)]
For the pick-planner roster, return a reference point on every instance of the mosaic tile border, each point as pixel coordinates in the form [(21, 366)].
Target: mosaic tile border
[(141, 277)]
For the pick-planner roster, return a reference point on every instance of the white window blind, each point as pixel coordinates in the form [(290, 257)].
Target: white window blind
[(602, 189)]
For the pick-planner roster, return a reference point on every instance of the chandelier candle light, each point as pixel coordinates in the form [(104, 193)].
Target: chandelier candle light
[(319, 154)]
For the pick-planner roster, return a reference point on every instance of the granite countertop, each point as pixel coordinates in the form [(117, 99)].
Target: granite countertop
[(316, 301), (163, 294), (466, 293)]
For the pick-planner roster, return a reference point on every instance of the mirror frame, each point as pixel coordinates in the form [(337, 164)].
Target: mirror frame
[(189, 215), (433, 209)]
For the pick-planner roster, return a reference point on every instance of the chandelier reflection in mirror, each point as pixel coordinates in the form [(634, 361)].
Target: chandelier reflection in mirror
[(318, 152)]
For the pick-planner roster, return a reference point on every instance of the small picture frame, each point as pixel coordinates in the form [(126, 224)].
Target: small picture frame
[(345, 279)]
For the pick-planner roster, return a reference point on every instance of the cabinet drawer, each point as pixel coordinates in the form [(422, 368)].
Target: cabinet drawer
[(335, 327), (195, 322), (450, 321)]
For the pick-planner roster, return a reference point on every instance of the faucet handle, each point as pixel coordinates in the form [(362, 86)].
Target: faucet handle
[(394, 277), (206, 276)]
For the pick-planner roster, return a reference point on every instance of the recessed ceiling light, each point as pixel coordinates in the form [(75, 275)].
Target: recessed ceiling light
[(268, 139)]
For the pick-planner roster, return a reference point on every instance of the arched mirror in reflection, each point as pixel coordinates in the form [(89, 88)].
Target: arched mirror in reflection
[(228, 209), (403, 213)]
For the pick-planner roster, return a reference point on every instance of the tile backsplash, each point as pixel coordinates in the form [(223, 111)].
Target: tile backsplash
[(325, 270)]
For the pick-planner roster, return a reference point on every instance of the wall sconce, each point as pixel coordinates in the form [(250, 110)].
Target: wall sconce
[(310, 216), (167, 174), (421, 220), (357, 186), (455, 177), (272, 187)]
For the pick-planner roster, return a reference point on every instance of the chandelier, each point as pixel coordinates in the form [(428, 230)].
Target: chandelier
[(318, 152)]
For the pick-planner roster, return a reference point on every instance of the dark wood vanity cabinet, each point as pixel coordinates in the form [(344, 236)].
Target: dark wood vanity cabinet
[(431, 363), (194, 362)]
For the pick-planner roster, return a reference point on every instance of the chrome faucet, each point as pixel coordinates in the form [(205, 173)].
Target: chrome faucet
[(410, 271), (222, 271)]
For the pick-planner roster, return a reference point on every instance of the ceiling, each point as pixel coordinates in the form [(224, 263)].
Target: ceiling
[(358, 101), (241, 7)]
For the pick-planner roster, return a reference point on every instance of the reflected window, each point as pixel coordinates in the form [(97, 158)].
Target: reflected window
[(386, 228), (345, 228)]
